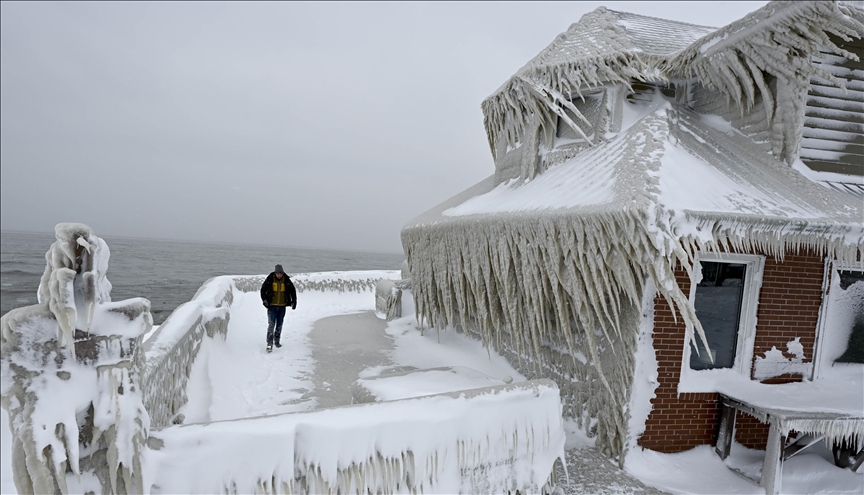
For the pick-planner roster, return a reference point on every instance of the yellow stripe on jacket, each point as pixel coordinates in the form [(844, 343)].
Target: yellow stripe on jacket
[(280, 297)]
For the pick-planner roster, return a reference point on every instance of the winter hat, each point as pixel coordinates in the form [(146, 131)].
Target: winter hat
[(279, 269)]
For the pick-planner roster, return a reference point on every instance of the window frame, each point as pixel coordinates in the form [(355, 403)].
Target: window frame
[(832, 270), (755, 268)]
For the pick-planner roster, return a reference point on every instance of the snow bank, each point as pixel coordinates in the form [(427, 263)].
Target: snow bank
[(489, 440)]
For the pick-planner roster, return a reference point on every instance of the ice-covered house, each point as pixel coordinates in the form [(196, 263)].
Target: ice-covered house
[(670, 205)]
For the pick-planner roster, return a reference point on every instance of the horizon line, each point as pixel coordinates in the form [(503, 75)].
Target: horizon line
[(194, 241)]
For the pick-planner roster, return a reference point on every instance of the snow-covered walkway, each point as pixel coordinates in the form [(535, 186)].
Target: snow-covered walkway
[(343, 347)]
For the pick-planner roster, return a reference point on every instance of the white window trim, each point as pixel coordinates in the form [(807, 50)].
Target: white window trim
[(690, 378), (832, 267)]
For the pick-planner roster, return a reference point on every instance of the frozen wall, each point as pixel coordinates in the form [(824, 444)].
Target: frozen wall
[(533, 289), (70, 368), (171, 350), (489, 440)]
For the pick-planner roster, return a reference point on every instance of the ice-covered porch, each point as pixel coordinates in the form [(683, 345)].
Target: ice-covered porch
[(335, 338)]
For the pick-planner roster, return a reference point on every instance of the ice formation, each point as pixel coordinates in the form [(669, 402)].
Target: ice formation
[(736, 60), (548, 260), (70, 368), (388, 298), (488, 440), (615, 47), (775, 363)]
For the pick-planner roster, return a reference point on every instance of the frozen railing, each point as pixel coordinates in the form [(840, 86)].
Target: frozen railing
[(170, 351), (487, 440), (353, 281)]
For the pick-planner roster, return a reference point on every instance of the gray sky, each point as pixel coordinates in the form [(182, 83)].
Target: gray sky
[(300, 124)]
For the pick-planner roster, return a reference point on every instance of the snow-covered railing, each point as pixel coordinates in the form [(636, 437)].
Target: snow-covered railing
[(487, 440), (170, 351), (353, 281)]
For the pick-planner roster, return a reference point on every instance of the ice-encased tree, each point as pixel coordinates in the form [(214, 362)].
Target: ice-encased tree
[(70, 367)]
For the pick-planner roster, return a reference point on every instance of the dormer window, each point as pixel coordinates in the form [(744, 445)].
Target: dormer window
[(592, 107)]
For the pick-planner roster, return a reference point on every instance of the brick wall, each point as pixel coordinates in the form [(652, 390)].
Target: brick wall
[(788, 307)]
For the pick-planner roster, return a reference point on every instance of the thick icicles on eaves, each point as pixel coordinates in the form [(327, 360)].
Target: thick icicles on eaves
[(787, 36), (776, 40), (547, 289)]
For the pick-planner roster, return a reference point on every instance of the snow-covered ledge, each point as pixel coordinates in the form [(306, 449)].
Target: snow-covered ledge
[(487, 440)]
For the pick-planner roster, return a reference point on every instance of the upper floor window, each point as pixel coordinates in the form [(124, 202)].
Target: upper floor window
[(592, 107)]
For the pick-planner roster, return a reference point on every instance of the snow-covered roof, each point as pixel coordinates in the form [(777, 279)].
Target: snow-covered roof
[(603, 33), (606, 46), (696, 169)]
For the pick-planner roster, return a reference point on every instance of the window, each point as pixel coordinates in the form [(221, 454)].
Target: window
[(725, 301), (718, 306), (592, 107), (840, 338)]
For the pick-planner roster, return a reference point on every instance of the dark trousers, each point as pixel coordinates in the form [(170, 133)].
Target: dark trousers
[(275, 315)]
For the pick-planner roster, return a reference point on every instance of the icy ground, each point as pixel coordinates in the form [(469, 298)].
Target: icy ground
[(334, 338)]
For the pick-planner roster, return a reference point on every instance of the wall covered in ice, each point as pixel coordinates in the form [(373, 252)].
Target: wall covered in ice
[(489, 440), (70, 370), (556, 294), (170, 351)]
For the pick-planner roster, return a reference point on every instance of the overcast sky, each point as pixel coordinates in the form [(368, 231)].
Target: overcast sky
[(300, 124)]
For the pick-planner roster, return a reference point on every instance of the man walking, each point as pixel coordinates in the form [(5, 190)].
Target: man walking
[(277, 293)]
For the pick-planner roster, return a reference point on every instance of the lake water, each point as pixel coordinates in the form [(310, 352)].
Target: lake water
[(168, 273)]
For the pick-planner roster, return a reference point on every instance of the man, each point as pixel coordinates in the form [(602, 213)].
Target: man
[(277, 293)]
